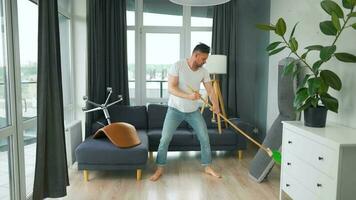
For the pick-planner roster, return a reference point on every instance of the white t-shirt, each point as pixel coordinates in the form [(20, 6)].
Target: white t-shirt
[(186, 77)]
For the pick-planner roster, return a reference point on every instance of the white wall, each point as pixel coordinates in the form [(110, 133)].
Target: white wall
[(79, 49), (309, 14)]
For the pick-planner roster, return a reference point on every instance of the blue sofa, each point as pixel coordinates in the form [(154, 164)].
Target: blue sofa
[(101, 154)]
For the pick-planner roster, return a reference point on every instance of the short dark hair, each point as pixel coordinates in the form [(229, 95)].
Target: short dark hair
[(201, 47)]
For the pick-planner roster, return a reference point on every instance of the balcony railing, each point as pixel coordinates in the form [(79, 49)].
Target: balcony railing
[(155, 91)]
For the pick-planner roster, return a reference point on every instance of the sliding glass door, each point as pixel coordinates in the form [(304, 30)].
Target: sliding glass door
[(162, 50), (159, 34), (9, 186), (18, 93)]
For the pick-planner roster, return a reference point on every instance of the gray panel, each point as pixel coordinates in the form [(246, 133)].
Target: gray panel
[(347, 174), (262, 164)]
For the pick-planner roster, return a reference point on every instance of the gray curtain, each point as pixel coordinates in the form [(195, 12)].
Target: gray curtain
[(51, 173), (224, 41), (107, 53), (244, 87)]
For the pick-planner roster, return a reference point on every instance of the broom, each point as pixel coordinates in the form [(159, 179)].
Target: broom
[(275, 155)]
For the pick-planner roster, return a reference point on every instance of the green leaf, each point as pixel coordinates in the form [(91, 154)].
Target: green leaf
[(304, 55), (347, 4), (293, 45), (354, 26), (327, 27), (314, 101), (330, 6), (266, 27), (323, 87), (277, 50), (306, 77), (314, 47), (300, 97), (336, 21), (353, 14), (345, 57), (327, 52), (331, 79), (292, 33), (330, 102), (316, 65), (272, 46), (305, 105), (313, 85), (281, 27), (288, 69)]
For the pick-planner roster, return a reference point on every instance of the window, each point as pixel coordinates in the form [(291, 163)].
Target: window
[(4, 90), (67, 75), (157, 37), (130, 12), (131, 62), (200, 36), (162, 13), (162, 50), (5, 181), (130, 21), (28, 25), (202, 16)]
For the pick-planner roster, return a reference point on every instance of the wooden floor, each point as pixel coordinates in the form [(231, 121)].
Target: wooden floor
[(183, 179)]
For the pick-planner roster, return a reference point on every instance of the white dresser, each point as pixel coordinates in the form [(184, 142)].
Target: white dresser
[(318, 163)]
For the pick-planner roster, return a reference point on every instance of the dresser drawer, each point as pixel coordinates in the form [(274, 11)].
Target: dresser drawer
[(315, 181), (294, 189), (321, 157)]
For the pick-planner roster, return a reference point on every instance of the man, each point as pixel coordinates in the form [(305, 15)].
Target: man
[(183, 105)]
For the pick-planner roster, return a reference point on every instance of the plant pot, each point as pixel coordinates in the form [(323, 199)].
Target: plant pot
[(315, 117)]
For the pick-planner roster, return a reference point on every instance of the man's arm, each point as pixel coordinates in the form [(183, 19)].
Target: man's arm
[(212, 96), (174, 89)]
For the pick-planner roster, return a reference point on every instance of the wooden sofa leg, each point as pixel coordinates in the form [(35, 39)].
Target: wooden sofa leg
[(86, 175), (239, 154), (150, 155), (138, 174)]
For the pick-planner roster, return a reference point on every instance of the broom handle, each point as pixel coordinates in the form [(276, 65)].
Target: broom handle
[(268, 151)]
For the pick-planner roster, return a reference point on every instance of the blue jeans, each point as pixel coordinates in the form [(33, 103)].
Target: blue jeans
[(173, 118)]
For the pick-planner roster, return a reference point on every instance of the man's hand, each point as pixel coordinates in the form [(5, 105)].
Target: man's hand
[(216, 109), (194, 96)]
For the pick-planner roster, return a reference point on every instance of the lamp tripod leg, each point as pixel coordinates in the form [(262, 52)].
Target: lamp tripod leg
[(221, 101)]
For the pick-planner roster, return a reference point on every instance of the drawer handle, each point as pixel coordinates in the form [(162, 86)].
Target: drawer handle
[(320, 158), (289, 142), (318, 185), (288, 163), (287, 185)]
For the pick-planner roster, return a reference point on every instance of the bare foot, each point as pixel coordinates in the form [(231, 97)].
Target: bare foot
[(211, 172), (158, 173)]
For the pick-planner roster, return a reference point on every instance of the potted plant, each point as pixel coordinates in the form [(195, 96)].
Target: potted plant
[(312, 95)]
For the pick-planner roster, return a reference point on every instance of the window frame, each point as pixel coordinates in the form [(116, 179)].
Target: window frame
[(140, 42)]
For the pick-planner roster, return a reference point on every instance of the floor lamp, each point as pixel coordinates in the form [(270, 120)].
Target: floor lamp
[(216, 64)]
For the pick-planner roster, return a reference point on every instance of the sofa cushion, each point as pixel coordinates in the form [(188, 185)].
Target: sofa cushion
[(135, 115), (103, 152), (156, 116), (226, 138), (180, 138)]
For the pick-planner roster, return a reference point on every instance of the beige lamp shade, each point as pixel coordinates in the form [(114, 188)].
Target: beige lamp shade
[(216, 64), (199, 2)]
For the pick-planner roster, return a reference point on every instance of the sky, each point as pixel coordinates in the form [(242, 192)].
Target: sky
[(28, 24)]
